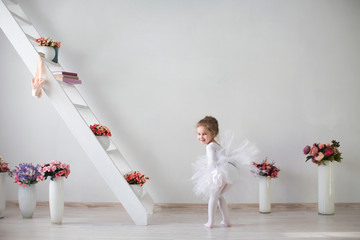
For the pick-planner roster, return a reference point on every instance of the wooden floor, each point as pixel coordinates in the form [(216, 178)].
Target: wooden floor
[(184, 222)]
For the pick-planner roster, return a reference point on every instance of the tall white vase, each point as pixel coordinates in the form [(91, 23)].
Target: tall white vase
[(2, 193), (326, 204), (27, 200), (264, 195), (56, 200)]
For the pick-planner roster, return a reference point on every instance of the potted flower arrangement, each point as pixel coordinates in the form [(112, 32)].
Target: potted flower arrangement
[(4, 169), (3, 166), (102, 133), (26, 175), (57, 171), (266, 171), (323, 156), (49, 47), (320, 152), (136, 181)]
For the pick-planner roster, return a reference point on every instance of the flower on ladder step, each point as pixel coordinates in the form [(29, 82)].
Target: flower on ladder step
[(100, 130), (136, 178), (48, 42)]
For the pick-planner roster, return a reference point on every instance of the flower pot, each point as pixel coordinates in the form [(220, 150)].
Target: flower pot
[(104, 141), (137, 189), (56, 199), (264, 195), (2, 193), (27, 200), (326, 204), (51, 53)]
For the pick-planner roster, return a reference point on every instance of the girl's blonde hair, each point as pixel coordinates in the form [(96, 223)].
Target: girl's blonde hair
[(210, 123)]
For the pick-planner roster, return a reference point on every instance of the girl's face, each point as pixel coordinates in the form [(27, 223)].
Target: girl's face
[(204, 135)]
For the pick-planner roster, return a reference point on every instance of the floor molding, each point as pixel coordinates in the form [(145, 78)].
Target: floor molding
[(196, 205)]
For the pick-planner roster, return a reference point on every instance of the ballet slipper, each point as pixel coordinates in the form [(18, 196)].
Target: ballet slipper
[(225, 223), (208, 225)]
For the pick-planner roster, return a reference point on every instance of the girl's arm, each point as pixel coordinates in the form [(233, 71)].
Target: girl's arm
[(211, 154)]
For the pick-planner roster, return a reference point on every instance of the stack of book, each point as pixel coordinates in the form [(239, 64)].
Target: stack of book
[(67, 77)]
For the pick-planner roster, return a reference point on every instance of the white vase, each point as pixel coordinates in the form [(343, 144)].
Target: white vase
[(264, 195), (326, 204), (137, 189), (27, 200), (56, 199), (49, 52), (104, 141), (2, 193)]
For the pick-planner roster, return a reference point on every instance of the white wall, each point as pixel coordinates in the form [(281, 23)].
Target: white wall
[(280, 73)]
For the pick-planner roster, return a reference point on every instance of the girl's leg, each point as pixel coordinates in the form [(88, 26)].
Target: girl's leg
[(223, 207), (211, 211), (214, 196)]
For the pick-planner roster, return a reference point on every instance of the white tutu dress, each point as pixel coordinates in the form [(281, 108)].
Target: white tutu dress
[(219, 164)]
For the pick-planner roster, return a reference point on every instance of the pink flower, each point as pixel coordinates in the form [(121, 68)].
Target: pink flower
[(329, 152), (53, 168), (319, 156), (306, 149), (313, 151), (321, 146)]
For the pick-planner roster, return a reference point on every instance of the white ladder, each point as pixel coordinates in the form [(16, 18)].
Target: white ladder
[(76, 113)]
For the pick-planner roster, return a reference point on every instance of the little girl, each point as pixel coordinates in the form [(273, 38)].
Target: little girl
[(212, 171)]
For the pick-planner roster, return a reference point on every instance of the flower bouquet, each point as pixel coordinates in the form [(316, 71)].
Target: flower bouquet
[(4, 165), (320, 152), (266, 169), (49, 48), (55, 169), (136, 178), (100, 130), (4, 170), (26, 174), (48, 42)]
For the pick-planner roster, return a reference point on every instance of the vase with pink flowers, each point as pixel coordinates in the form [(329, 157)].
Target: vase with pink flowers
[(265, 171), (4, 170), (323, 155), (57, 171)]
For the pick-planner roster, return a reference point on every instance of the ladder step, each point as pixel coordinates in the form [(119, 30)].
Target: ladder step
[(81, 106), (10, 3), (21, 19), (30, 37)]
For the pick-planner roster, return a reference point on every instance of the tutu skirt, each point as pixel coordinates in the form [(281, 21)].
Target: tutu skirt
[(209, 178)]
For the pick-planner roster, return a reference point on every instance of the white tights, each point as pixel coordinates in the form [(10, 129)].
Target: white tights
[(217, 197)]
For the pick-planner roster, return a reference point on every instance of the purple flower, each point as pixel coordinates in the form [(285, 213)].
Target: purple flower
[(306, 149)]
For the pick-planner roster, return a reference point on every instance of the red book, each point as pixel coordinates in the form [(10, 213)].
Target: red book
[(66, 76), (69, 80), (64, 73)]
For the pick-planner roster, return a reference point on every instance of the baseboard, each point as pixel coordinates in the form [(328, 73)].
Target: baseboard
[(196, 205)]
